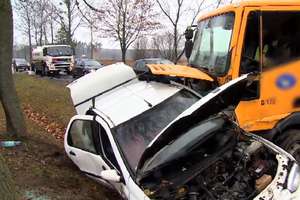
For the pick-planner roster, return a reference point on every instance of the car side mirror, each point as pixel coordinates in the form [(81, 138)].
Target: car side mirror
[(188, 48), (111, 175), (189, 33)]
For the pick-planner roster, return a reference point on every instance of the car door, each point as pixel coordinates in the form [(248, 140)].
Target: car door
[(81, 147), (88, 146)]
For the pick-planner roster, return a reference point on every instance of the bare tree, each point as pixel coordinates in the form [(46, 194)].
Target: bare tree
[(69, 19), (126, 20), (90, 19), (15, 124), (180, 7), (51, 19), (163, 43), (35, 17), (41, 19), (140, 48), (25, 11)]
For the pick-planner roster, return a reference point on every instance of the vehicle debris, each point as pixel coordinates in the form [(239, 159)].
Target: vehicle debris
[(155, 140)]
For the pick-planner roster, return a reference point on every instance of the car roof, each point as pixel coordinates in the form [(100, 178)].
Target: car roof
[(131, 100), (115, 89)]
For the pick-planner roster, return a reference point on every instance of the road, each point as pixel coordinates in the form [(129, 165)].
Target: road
[(63, 78)]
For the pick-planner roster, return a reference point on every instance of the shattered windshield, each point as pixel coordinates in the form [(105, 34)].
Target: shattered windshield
[(59, 51), (135, 135), (211, 44)]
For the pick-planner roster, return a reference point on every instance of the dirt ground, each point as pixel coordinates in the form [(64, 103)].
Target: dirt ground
[(39, 166)]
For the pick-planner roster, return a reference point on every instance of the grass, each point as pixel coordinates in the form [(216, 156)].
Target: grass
[(40, 167), (45, 96)]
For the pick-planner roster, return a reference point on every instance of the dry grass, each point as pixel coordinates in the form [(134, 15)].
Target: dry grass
[(45, 96), (40, 167)]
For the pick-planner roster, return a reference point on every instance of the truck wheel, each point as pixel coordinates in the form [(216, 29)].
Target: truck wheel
[(290, 141), (36, 71), (45, 71)]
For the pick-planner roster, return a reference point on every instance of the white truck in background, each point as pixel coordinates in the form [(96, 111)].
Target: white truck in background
[(52, 59)]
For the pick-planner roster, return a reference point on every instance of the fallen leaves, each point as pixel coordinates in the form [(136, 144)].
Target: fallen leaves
[(54, 128)]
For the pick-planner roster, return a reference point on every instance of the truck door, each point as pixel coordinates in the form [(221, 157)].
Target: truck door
[(271, 48)]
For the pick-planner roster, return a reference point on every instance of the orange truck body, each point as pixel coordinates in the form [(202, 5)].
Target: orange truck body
[(273, 104)]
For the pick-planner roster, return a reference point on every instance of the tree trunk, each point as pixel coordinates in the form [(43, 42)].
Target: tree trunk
[(15, 123), (7, 190), (175, 45), (29, 34), (52, 32), (92, 46), (69, 31), (30, 44), (123, 54)]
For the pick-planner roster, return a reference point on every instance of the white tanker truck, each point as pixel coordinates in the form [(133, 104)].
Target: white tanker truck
[(52, 59)]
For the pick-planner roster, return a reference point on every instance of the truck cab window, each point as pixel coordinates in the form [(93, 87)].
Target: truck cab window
[(250, 55), (280, 40), (211, 50), (81, 136)]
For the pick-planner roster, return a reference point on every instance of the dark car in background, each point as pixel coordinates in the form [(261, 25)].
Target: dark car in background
[(85, 66), (20, 64), (139, 66)]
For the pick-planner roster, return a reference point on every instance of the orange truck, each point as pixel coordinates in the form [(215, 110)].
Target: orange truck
[(261, 37)]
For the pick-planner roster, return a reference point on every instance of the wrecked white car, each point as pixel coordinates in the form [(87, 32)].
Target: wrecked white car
[(151, 140)]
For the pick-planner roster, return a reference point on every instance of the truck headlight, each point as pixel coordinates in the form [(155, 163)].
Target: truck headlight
[(294, 178)]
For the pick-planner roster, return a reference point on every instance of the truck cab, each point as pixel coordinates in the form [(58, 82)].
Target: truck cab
[(259, 37), (52, 59)]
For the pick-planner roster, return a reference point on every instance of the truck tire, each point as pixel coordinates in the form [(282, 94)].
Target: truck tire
[(290, 141), (36, 71), (45, 71)]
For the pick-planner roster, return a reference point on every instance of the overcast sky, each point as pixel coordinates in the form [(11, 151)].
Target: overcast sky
[(83, 34)]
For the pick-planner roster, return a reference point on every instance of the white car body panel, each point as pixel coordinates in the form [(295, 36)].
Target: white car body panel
[(93, 84), (132, 100), (123, 103), (87, 162)]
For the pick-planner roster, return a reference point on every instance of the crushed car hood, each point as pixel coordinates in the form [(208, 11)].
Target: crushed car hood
[(179, 71), (222, 97)]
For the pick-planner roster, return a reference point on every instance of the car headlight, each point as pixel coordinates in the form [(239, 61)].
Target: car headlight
[(294, 178)]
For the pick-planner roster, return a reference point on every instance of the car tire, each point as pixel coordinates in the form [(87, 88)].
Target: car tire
[(290, 141)]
